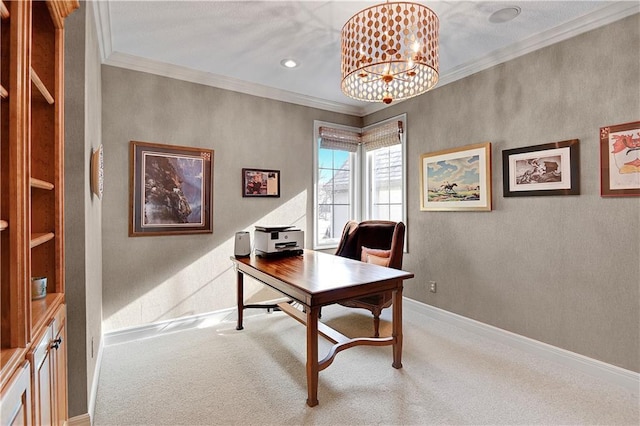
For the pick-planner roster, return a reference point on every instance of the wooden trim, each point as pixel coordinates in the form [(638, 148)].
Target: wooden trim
[(41, 87), (59, 9), (18, 326), (41, 184), (58, 141)]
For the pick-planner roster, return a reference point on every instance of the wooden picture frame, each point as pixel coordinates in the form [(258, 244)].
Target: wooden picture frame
[(457, 179), (171, 190), (620, 160), (260, 183), (547, 169)]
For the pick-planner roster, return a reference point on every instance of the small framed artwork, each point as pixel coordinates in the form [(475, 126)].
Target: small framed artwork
[(547, 169), (620, 160), (260, 183), (456, 179), (171, 190)]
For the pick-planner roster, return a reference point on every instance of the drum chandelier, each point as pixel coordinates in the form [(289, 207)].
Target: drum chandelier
[(389, 52)]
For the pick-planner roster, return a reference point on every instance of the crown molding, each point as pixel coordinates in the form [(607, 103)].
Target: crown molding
[(603, 16), (136, 63), (102, 20), (598, 18)]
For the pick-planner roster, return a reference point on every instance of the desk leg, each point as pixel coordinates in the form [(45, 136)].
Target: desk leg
[(397, 328), (240, 296), (312, 356)]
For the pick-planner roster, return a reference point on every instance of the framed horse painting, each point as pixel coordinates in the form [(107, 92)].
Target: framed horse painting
[(456, 179)]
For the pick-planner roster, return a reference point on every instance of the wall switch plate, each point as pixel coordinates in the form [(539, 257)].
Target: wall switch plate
[(433, 286)]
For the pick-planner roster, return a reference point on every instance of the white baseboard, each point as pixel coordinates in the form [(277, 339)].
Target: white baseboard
[(170, 326), (81, 420), (208, 319), (96, 379), (610, 373)]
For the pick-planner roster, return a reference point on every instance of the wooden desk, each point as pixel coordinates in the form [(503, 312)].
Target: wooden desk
[(317, 279)]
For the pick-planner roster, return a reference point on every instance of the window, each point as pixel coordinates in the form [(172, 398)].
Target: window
[(336, 171), (359, 175), (385, 184)]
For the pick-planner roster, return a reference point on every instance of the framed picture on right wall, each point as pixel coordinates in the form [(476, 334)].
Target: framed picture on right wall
[(620, 160)]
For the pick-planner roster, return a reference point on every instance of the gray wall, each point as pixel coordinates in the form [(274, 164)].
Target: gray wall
[(83, 230), (149, 279), (564, 269)]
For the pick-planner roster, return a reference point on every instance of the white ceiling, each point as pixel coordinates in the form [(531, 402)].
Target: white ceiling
[(238, 45)]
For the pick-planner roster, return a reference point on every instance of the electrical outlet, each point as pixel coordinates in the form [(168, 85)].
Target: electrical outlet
[(433, 286)]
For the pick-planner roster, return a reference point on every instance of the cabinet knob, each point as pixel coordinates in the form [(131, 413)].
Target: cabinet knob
[(56, 343)]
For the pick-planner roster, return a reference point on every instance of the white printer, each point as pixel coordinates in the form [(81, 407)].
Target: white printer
[(273, 241)]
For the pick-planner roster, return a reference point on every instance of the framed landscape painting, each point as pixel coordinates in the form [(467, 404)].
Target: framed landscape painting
[(620, 160), (457, 179), (171, 190), (547, 169)]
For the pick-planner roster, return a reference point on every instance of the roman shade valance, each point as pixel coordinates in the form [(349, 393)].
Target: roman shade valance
[(382, 136), (340, 139), (375, 137)]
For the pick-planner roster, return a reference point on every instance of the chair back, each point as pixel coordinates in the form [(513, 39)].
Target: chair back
[(373, 234)]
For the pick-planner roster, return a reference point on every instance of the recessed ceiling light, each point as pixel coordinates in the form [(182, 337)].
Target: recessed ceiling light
[(504, 15), (288, 63)]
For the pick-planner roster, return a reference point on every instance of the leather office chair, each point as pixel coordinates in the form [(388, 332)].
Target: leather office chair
[(384, 243)]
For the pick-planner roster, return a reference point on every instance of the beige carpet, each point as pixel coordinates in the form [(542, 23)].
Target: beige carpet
[(216, 375)]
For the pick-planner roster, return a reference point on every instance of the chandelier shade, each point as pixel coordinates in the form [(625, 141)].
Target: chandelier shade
[(390, 52)]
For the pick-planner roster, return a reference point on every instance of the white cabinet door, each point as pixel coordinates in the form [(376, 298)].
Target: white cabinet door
[(15, 402)]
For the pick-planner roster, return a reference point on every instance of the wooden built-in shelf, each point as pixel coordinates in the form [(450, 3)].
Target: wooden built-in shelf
[(41, 184), (4, 12), (42, 309), (41, 87), (32, 97), (40, 238)]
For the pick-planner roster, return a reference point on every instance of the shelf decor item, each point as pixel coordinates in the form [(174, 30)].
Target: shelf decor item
[(620, 160), (260, 183), (38, 287), (171, 190), (457, 179), (547, 169), (97, 171)]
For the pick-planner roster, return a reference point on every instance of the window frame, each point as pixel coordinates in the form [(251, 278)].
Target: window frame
[(367, 207), (360, 202), (354, 181)]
